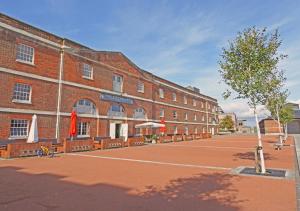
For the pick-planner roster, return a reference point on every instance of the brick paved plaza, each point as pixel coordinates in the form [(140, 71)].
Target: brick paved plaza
[(190, 175)]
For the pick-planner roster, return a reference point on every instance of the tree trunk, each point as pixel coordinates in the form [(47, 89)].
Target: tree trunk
[(279, 125), (285, 132), (261, 154)]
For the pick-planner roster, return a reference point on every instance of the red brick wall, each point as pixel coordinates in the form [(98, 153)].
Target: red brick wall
[(269, 126), (44, 94), (46, 60)]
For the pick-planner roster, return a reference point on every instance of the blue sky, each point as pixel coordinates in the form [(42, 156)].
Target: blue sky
[(178, 40)]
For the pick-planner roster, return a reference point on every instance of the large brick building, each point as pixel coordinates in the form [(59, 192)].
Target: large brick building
[(46, 75)]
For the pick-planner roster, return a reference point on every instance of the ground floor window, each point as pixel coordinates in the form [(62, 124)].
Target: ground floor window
[(186, 130), (83, 129), (175, 129), (19, 128), (196, 130), (138, 131)]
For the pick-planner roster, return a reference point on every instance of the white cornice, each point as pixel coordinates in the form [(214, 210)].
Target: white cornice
[(53, 113), (23, 32), (43, 78)]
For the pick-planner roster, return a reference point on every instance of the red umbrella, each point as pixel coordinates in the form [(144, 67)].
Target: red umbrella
[(162, 129), (72, 131)]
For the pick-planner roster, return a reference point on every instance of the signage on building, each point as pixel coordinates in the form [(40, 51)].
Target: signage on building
[(115, 98)]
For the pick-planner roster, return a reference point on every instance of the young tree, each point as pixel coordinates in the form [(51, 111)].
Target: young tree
[(249, 68), (286, 115), (275, 104), (227, 123)]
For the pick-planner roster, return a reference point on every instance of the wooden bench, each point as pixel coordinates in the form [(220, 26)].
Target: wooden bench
[(278, 146)]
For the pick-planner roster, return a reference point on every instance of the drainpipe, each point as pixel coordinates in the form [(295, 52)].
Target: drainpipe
[(206, 117), (61, 69)]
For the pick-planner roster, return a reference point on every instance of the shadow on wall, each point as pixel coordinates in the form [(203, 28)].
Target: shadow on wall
[(251, 156), (23, 191)]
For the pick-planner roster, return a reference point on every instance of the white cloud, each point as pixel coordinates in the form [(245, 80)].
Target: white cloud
[(242, 110)]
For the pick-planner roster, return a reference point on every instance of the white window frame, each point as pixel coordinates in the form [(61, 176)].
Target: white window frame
[(186, 116), (203, 118), (139, 113), (174, 98), (115, 81), (162, 112), (161, 93), (196, 130), (195, 117), (21, 136), (185, 100), (86, 68), (175, 130), (21, 54), (186, 130), (194, 102), (175, 115), (140, 87), (15, 100), (85, 106), (80, 129)]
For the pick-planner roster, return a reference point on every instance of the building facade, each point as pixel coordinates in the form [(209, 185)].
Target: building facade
[(269, 126), (293, 127), (50, 76)]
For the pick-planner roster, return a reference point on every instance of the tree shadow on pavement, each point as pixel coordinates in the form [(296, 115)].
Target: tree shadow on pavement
[(251, 156), (26, 191)]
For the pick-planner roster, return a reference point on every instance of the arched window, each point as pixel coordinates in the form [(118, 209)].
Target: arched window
[(139, 113), (116, 110), (85, 106)]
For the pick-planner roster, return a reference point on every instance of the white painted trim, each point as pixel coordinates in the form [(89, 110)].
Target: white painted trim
[(23, 32), (53, 113), (20, 31), (152, 162), (30, 75), (26, 111), (182, 90)]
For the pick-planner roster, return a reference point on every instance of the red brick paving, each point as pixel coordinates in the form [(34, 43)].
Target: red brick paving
[(89, 183)]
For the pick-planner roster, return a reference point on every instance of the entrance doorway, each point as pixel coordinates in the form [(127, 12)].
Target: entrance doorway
[(118, 130)]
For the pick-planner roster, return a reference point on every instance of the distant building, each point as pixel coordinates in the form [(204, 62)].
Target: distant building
[(294, 126), (270, 126), (242, 128)]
